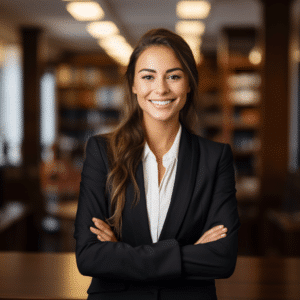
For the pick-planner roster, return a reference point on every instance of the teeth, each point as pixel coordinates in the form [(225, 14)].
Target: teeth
[(161, 102)]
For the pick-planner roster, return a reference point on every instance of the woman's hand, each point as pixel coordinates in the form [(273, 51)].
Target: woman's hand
[(214, 234), (103, 231)]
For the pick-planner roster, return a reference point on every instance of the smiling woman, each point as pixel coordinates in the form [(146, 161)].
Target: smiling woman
[(157, 214), (161, 85)]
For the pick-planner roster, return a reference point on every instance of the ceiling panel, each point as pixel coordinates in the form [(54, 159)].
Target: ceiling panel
[(134, 17)]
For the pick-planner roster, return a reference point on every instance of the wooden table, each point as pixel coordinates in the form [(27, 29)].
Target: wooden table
[(41, 276), (262, 278), (55, 276)]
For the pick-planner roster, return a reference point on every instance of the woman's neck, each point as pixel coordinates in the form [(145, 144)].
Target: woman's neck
[(160, 136)]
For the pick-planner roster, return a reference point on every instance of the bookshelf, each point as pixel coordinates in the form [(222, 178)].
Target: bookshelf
[(89, 100), (231, 95), (241, 95), (89, 94), (210, 106)]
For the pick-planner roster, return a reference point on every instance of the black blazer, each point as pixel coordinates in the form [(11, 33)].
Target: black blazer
[(203, 197)]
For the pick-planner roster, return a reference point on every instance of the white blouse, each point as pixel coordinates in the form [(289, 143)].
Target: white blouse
[(158, 197)]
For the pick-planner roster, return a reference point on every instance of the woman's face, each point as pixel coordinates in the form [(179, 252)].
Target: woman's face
[(161, 85)]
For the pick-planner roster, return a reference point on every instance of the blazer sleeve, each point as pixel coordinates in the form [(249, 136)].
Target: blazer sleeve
[(217, 259), (117, 260), (165, 259)]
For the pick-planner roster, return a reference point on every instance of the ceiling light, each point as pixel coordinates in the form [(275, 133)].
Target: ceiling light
[(101, 29), (190, 27), (193, 9), (115, 42), (121, 59), (117, 47), (112, 42), (195, 44), (85, 11), (197, 56)]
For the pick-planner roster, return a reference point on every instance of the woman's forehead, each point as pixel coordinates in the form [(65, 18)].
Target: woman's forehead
[(158, 58)]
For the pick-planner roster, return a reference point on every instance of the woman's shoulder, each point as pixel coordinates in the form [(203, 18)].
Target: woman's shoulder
[(212, 151), (97, 145), (207, 144), (98, 140)]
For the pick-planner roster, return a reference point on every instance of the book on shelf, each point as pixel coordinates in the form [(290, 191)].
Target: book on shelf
[(73, 75), (244, 80), (92, 76), (109, 97), (64, 75), (212, 119), (245, 140), (86, 99), (69, 98), (246, 117), (245, 97), (248, 186)]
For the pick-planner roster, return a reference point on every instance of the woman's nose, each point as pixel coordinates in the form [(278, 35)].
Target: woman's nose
[(162, 87)]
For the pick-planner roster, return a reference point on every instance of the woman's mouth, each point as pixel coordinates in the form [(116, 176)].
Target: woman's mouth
[(161, 103)]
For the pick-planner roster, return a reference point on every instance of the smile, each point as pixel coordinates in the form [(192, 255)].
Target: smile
[(161, 102)]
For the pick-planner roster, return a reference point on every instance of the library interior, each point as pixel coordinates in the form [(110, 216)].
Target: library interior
[(62, 66)]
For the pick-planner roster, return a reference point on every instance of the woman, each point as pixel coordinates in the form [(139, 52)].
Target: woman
[(157, 214)]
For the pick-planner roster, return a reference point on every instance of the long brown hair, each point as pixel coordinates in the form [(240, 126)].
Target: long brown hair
[(126, 143)]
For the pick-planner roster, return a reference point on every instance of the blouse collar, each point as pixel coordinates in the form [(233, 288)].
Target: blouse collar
[(171, 155)]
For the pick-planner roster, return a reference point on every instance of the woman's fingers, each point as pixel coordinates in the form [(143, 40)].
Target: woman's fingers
[(213, 234), (103, 227), (214, 231), (102, 223), (103, 236), (103, 231)]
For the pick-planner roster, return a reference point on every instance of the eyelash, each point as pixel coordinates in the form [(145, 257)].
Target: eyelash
[(148, 77), (172, 77)]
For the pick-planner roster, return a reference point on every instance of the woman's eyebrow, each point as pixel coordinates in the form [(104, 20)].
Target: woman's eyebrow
[(153, 71), (147, 70), (174, 69)]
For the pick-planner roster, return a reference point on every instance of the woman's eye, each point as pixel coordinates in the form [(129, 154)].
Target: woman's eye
[(147, 77), (174, 77)]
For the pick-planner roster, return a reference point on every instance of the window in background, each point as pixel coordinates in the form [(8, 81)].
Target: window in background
[(11, 106), (1, 105), (48, 115)]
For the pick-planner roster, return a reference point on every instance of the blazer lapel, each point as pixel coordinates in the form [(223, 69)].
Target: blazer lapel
[(138, 213), (187, 166)]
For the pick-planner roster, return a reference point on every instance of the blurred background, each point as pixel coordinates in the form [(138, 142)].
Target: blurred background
[(61, 81)]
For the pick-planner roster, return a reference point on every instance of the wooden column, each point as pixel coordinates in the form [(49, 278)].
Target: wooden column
[(275, 111), (31, 149), (276, 99)]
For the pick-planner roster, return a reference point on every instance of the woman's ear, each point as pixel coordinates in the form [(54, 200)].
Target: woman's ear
[(133, 89)]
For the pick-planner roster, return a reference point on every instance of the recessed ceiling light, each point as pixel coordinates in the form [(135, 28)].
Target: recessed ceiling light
[(190, 27), (113, 42), (101, 29), (193, 9), (193, 42), (85, 11), (117, 47)]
